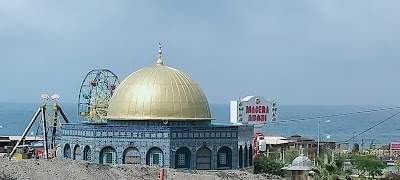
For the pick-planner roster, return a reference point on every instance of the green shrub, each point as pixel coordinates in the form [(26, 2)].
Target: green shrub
[(264, 164)]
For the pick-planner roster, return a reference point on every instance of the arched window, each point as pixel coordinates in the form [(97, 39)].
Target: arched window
[(224, 158), (87, 154), (131, 156), (155, 157), (67, 151), (77, 152), (182, 158), (108, 155), (203, 159)]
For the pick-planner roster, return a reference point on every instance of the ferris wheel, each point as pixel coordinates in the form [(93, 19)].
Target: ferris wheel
[(96, 91)]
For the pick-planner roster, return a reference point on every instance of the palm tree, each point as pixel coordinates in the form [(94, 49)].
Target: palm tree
[(331, 168)]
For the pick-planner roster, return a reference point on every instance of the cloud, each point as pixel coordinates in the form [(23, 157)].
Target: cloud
[(295, 52)]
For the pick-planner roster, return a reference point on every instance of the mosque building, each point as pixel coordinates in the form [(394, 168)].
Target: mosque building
[(159, 116)]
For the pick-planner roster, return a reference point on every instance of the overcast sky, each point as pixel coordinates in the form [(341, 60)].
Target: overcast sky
[(295, 52)]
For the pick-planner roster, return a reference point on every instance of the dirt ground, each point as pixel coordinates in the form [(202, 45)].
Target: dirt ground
[(70, 169)]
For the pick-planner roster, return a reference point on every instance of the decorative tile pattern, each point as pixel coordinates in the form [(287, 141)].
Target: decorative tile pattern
[(167, 138)]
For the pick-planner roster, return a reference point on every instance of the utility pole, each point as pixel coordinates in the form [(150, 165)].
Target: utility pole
[(362, 146), (318, 140)]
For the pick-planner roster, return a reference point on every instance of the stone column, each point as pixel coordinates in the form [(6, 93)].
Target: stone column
[(235, 157), (193, 151), (214, 157), (120, 153), (167, 154)]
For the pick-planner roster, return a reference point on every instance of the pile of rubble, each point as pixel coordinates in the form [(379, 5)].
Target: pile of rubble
[(70, 169)]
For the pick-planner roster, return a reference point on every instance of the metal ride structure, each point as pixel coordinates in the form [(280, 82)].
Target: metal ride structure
[(94, 95), (49, 124)]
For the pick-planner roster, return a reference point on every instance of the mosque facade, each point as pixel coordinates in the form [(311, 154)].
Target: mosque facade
[(159, 116)]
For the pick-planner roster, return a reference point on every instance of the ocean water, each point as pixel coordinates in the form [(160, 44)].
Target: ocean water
[(14, 118)]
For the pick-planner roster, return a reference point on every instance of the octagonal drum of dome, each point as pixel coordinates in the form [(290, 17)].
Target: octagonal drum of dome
[(158, 93)]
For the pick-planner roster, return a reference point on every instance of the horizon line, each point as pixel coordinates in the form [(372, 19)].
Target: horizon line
[(228, 103)]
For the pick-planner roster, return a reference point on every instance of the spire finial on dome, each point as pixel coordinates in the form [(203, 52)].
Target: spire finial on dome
[(301, 152), (159, 61)]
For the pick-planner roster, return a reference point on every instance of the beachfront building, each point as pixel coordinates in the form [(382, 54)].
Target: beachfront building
[(277, 144), (159, 116)]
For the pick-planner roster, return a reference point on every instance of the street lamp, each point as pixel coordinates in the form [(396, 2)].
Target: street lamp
[(328, 136)]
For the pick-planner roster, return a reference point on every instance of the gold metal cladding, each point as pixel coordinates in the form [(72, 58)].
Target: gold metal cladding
[(158, 93)]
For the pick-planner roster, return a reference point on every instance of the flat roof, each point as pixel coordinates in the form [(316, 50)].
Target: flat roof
[(226, 124), (24, 145), (276, 140), (5, 140), (27, 138)]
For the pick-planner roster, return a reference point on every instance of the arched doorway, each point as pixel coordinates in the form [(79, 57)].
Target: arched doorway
[(203, 159), (77, 152), (182, 158), (224, 158), (250, 155), (131, 156), (108, 155), (240, 157), (155, 157), (87, 154), (67, 151), (246, 156)]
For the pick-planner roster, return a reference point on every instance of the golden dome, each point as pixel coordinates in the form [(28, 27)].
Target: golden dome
[(158, 93)]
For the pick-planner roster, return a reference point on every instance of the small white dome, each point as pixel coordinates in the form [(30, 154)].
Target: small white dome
[(300, 163)]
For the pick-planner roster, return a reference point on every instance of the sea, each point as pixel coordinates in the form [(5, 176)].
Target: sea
[(370, 128)]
